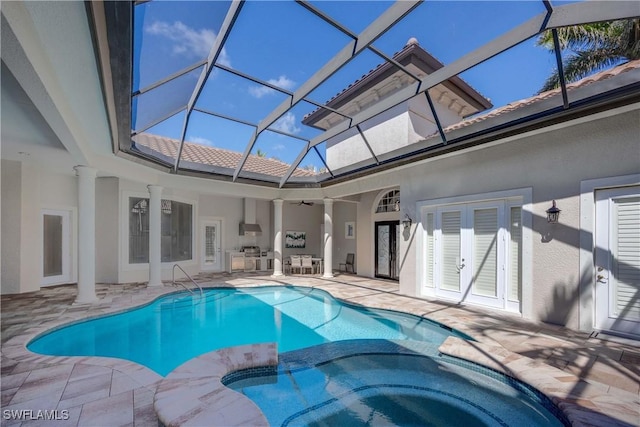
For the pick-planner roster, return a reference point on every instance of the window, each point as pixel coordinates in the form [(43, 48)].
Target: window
[(473, 252), (390, 202), (176, 230)]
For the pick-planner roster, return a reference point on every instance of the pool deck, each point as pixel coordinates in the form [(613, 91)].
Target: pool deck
[(594, 380)]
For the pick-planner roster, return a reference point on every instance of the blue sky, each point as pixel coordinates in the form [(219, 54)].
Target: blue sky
[(282, 43)]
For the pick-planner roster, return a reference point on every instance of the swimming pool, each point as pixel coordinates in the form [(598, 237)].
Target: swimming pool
[(178, 327)]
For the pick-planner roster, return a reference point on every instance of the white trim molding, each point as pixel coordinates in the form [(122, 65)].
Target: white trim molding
[(586, 307)]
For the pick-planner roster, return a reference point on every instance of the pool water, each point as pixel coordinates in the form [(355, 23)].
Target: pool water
[(178, 327), (392, 389)]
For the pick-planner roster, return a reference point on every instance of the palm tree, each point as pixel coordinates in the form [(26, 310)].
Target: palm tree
[(594, 47), (261, 153)]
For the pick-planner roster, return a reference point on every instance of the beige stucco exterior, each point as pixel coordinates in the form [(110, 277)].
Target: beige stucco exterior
[(549, 164)]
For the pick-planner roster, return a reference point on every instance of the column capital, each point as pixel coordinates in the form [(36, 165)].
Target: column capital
[(327, 201), (87, 171), (278, 202), (154, 188)]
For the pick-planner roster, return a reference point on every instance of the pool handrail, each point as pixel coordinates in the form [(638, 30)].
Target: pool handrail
[(173, 279)]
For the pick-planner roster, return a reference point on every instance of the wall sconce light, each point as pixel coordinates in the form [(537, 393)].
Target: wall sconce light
[(553, 213), (406, 222)]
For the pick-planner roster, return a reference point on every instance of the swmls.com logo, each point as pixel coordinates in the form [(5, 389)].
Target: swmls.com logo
[(30, 414)]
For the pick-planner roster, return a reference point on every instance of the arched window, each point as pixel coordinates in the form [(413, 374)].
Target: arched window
[(390, 202)]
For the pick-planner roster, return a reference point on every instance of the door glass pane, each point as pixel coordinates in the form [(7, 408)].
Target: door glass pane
[(451, 251), (52, 259), (176, 231), (396, 260), (429, 251), (485, 251), (383, 250), (626, 260), (210, 244), (515, 254), (138, 230)]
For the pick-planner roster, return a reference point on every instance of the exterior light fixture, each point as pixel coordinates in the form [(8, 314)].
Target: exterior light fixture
[(553, 213), (406, 222)]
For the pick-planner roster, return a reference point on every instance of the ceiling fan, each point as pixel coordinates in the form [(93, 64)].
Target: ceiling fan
[(302, 202)]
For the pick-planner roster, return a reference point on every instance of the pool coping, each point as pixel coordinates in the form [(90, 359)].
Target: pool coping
[(194, 392), (584, 403)]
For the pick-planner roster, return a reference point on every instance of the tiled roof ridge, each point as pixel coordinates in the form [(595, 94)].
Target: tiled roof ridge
[(364, 76), (411, 47), (514, 105), (263, 162)]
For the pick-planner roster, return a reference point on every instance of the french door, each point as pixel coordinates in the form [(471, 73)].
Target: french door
[(56, 247), (617, 260), (211, 250), (386, 249), (472, 252)]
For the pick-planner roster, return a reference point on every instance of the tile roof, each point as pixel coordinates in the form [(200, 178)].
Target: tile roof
[(513, 106), (219, 157), (404, 57)]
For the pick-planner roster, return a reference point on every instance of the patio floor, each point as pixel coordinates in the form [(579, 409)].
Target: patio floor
[(601, 375)]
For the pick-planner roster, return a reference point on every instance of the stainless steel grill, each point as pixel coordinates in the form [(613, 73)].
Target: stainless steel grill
[(251, 251)]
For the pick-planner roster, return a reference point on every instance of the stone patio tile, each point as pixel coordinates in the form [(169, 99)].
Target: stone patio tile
[(145, 416), (13, 381), (121, 382), (86, 390), (112, 411), (6, 395), (81, 371), (142, 397)]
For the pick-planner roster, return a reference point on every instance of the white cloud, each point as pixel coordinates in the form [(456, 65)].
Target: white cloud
[(187, 41), (200, 140), (283, 82), (286, 123), (279, 147)]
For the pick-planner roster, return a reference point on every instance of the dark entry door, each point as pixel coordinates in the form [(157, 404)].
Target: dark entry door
[(387, 248)]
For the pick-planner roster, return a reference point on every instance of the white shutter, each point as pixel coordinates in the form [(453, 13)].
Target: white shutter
[(450, 251), (626, 261), (428, 257), (485, 251), (515, 253)]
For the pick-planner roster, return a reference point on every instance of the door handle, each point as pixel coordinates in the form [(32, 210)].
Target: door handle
[(461, 266), (601, 279)]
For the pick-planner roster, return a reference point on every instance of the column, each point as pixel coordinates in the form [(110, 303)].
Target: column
[(155, 235), (328, 239), (277, 238), (86, 234)]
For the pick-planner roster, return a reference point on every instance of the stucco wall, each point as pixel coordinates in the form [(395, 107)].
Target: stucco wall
[(11, 218), (107, 230), (343, 212), (552, 164), (230, 210), (303, 218), (30, 230)]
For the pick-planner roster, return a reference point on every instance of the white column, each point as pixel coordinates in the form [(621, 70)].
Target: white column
[(155, 235), (328, 239), (86, 234), (277, 238)]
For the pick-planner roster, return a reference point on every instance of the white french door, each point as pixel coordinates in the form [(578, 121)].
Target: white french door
[(211, 249), (617, 260), (56, 247), (472, 253)]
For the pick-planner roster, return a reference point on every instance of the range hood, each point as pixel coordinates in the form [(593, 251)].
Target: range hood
[(249, 227)]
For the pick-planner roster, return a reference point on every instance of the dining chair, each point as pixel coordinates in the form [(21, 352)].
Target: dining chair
[(348, 265), (307, 264), (296, 264)]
